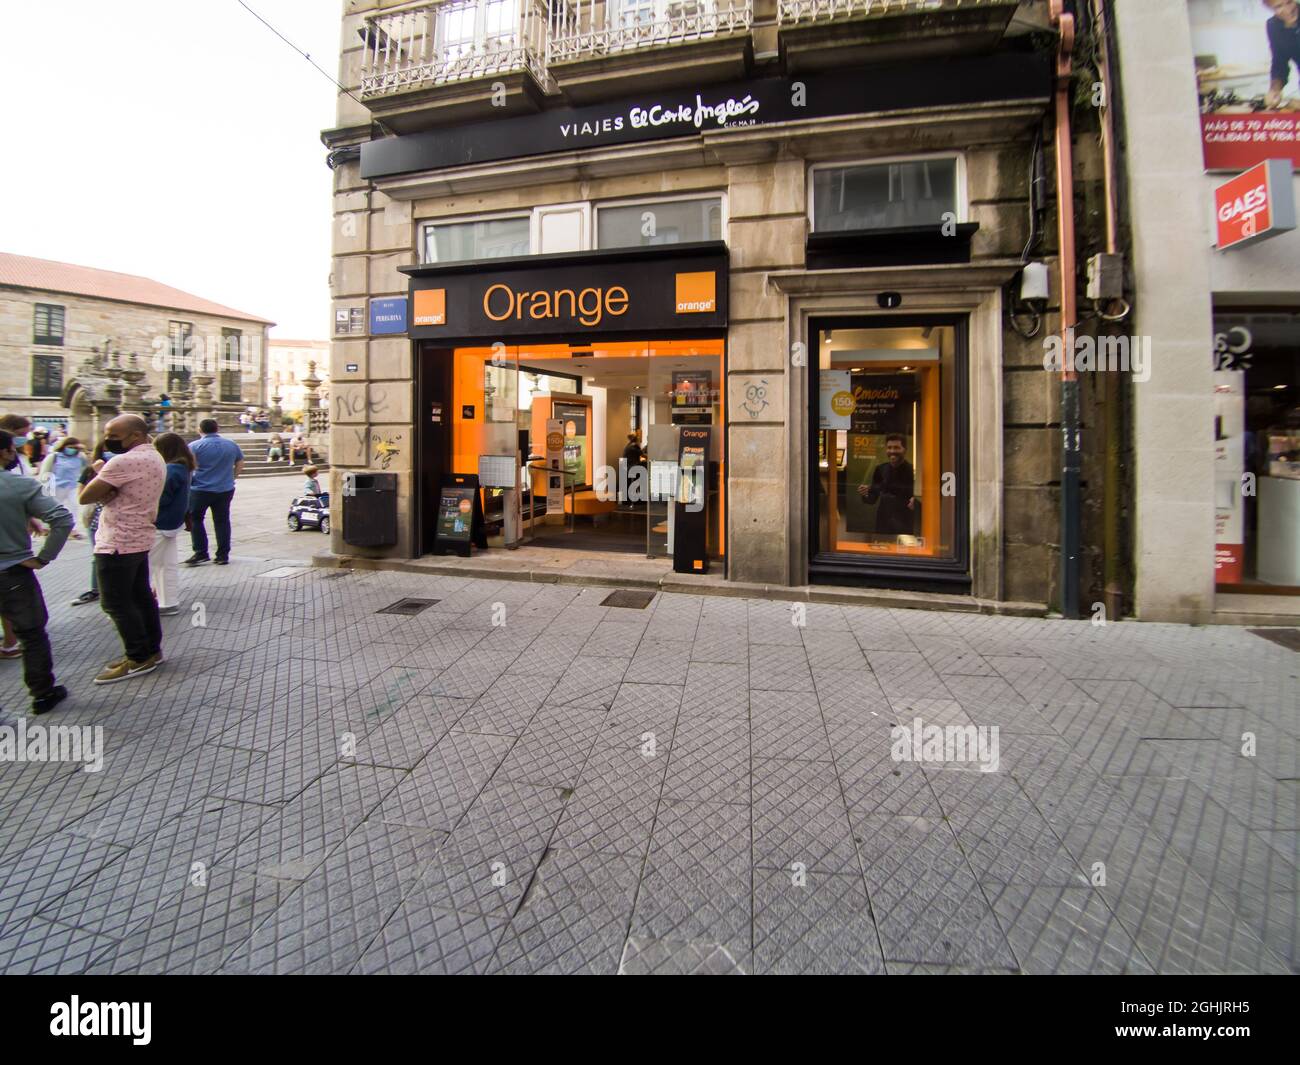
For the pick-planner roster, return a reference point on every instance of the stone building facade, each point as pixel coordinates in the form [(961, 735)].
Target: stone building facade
[(78, 344), (1221, 410), (879, 173)]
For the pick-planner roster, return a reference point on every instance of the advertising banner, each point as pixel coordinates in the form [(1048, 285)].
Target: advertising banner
[(835, 411), (554, 466), (1247, 53), (883, 405), (1229, 460)]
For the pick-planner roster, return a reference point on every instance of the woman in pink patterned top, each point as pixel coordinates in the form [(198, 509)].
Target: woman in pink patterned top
[(128, 485)]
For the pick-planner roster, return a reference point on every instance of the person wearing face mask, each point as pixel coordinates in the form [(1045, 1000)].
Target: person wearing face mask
[(61, 473), (129, 485), (21, 602), (20, 429)]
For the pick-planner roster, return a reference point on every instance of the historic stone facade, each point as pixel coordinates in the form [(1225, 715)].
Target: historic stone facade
[(104, 355), (763, 176)]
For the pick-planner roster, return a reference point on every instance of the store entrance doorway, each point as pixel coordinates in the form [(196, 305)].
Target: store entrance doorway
[(595, 432)]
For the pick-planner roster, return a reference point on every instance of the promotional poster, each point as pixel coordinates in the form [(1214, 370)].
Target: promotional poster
[(1247, 79), (884, 404)]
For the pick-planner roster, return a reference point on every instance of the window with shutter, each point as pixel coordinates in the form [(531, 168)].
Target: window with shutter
[(47, 375), (47, 325)]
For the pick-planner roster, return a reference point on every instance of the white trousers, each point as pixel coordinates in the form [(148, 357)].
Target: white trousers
[(164, 570), (67, 497)]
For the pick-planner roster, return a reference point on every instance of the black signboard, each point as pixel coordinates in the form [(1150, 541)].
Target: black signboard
[(459, 519), (689, 112), (690, 519), (681, 287)]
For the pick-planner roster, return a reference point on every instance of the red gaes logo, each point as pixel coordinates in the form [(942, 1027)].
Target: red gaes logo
[(1247, 207)]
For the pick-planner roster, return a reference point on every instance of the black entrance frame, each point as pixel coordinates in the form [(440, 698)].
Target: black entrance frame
[(903, 574), (433, 383)]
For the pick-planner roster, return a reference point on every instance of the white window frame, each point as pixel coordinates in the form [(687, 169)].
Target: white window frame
[(962, 199), (582, 208), (650, 201), (659, 11), (426, 245), (478, 43)]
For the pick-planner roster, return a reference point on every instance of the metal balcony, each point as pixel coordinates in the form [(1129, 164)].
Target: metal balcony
[(591, 29), (816, 34), (799, 12), (452, 41)]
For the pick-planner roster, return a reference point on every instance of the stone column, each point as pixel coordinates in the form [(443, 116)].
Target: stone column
[(203, 398)]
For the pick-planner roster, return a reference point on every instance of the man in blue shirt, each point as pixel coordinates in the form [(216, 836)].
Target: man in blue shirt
[(219, 462)]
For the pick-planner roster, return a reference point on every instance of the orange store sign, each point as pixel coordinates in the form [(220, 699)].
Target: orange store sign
[(627, 291), (1255, 205)]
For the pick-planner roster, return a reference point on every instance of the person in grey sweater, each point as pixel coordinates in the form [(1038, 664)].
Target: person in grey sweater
[(21, 601)]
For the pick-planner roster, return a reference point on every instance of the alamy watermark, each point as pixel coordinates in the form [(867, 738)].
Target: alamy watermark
[(53, 743), (919, 742), (1104, 354)]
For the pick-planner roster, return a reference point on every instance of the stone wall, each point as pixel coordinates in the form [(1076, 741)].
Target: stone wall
[(133, 328)]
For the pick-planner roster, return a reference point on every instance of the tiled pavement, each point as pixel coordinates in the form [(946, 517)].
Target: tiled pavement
[(310, 786)]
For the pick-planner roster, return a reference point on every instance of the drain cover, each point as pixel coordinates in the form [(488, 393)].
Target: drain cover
[(1288, 638), (631, 600), (408, 607)]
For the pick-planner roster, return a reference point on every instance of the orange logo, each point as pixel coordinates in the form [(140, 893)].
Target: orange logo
[(697, 293), (430, 306)]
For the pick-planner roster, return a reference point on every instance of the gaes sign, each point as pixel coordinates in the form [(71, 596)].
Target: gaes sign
[(1255, 205)]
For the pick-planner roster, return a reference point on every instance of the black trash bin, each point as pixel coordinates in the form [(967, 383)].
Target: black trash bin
[(370, 510)]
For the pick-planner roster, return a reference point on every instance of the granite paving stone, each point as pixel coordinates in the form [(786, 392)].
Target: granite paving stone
[(523, 780)]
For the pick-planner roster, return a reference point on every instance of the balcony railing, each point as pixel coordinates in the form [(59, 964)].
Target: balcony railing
[(453, 41), (802, 12), (588, 29)]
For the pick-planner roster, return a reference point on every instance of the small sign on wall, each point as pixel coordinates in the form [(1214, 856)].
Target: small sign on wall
[(349, 321), (1255, 205), (388, 315)]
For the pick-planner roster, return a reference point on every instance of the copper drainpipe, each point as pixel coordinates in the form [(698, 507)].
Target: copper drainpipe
[(1112, 548), (1071, 451)]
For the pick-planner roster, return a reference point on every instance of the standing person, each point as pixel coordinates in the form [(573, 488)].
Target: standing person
[(37, 448), (21, 601), (220, 462), (19, 428), (61, 473), (164, 574), (128, 485), (893, 484), (90, 515)]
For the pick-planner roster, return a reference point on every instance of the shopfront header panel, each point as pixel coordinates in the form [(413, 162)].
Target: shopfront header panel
[(596, 295), (694, 110)]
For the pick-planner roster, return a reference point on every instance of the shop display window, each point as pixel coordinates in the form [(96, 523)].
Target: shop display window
[(890, 481), (1257, 450)]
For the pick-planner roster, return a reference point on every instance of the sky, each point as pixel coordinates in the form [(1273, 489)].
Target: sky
[(177, 139)]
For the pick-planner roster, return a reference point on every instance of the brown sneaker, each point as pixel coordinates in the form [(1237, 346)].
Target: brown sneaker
[(126, 669)]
